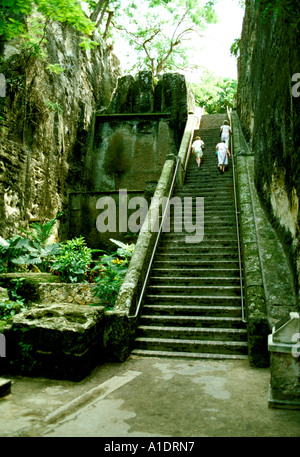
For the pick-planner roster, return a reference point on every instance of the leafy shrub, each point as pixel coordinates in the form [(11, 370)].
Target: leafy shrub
[(111, 273), (40, 233), (18, 251), (73, 260), (9, 308), (15, 304), (32, 250)]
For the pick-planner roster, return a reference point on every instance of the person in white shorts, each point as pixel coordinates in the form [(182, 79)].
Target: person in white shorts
[(197, 149), (223, 154), (225, 133)]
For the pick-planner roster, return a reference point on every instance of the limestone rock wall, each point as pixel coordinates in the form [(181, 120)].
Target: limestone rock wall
[(270, 118), (48, 126)]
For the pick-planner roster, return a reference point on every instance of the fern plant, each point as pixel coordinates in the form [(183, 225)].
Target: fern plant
[(41, 232)]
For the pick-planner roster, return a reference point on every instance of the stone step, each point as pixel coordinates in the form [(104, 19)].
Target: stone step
[(190, 280), (192, 310), (187, 355), (199, 290), (190, 345), (210, 243), (5, 387), (215, 300), (193, 333), (196, 272), (188, 252), (209, 264), (180, 322)]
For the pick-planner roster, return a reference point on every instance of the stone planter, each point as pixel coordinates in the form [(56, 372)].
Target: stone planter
[(61, 341), (284, 347)]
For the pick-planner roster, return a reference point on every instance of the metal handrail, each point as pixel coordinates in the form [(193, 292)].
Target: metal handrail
[(229, 112), (156, 241)]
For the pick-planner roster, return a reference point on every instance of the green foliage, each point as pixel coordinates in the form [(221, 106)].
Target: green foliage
[(12, 15), (9, 308), (55, 68), (214, 93), (111, 272), (157, 31), (235, 47), (26, 357), (15, 304), (73, 260), (27, 22), (40, 233), (54, 107), (286, 9), (31, 250)]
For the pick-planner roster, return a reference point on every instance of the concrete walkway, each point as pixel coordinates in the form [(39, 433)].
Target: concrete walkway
[(149, 397)]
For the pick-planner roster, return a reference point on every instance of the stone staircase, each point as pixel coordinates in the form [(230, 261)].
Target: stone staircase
[(192, 304)]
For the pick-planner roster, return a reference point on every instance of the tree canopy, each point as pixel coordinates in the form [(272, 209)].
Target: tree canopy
[(157, 30), (215, 93)]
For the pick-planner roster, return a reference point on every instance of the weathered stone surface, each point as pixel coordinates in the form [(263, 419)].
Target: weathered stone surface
[(269, 288), (57, 341), (285, 381), (3, 294), (5, 387), (78, 294), (47, 288), (270, 117), (42, 151)]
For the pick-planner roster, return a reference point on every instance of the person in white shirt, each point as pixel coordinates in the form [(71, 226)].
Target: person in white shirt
[(225, 133), (223, 154), (197, 149)]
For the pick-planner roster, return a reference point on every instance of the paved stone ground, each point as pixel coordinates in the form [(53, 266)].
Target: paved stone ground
[(149, 397)]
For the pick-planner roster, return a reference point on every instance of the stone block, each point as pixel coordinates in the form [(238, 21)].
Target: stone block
[(61, 341), (284, 347), (5, 387)]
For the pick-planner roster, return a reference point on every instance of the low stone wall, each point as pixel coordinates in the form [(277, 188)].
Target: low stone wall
[(269, 286), (77, 294)]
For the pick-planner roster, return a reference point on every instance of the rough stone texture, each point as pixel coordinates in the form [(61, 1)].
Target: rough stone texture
[(270, 118), (58, 341), (134, 136), (5, 387), (29, 287), (42, 150), (78, 294), (47, 288), (285, 380), (3, 294), (269, 286)]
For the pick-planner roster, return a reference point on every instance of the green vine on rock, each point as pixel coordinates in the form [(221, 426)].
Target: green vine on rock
[(286, 9)]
